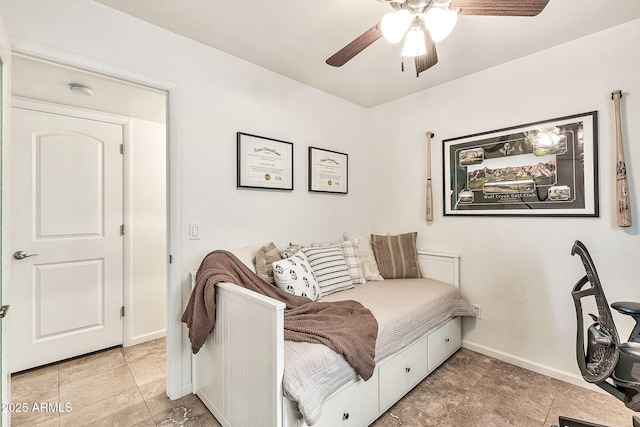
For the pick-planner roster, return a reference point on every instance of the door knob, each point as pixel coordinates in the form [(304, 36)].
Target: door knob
[(22, 255)]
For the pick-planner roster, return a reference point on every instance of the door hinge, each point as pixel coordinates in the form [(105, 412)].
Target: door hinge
[(122, 311), (121, 148), (3, 311), (122, 230)]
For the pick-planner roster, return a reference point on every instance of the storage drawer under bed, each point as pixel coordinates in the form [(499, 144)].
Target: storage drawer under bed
[(401, 372), (354, 405), (443, 342)]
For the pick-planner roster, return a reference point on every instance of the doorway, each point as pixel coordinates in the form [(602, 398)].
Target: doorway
[(140, 112)]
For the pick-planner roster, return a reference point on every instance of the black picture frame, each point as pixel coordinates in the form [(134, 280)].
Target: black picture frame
[(264, 163), (544, 168), (328, 171)]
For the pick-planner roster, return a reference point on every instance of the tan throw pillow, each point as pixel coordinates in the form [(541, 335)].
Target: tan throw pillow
[(396, 256), (265, 257), (368, 259)]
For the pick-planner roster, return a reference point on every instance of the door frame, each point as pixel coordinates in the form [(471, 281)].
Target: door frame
[(5, 99), (178, 372)]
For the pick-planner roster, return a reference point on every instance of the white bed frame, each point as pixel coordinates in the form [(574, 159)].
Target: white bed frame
[(238, 371)]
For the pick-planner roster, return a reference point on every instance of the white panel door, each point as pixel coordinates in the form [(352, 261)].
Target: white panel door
[(66, 245)]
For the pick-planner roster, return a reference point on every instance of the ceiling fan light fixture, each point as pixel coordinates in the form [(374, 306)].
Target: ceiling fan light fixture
[(440, 22), (414, 43), (395, 24), (431, 21)]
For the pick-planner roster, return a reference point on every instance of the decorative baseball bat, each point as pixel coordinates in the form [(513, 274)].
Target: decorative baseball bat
[(622, 184), (429, 193)]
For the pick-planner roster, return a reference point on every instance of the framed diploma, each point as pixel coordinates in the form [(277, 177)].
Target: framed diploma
[(264, 162), (328, 171)]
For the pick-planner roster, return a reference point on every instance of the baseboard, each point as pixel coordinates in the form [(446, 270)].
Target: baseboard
[(187, 389), (531, 366), (147, 337)]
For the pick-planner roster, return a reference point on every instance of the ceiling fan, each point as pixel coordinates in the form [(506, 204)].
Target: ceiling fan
[(423, 23)]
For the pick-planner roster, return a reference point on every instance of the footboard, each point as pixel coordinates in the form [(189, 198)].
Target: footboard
[(238, 371)]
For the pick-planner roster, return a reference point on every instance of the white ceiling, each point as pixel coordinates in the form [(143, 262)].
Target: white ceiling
[(295, 37), (46, 81)]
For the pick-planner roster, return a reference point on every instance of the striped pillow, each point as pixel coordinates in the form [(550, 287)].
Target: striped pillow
[(349, 249), (329, 267), (397, 256), (365, 253)]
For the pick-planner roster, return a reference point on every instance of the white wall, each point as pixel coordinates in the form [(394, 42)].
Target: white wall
[(519, 269), (146, 233), (219, 95)]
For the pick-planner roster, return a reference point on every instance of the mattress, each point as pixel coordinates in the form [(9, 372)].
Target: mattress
[(405, 310)]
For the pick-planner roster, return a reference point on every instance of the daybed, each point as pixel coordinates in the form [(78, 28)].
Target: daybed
[(248, 375)]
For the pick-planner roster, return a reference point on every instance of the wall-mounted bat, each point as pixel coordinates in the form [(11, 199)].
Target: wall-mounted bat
[(622, 184), (429, 192)]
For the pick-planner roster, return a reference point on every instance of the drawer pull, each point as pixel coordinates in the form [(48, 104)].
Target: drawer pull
[(407, 369), (345, 416), (447, 340)]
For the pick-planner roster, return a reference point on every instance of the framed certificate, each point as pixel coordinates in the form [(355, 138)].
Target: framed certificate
[(264, 162), (328, 171)]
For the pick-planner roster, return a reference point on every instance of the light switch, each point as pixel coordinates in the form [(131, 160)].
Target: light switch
[(194, 231)]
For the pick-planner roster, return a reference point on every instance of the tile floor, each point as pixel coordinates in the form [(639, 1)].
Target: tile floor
[(126, 387), (473, 390), (115, 387)]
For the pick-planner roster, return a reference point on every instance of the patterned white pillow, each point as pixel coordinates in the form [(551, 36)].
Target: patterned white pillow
[(349, 250), (295, 275), (365, 251), (330, 268)]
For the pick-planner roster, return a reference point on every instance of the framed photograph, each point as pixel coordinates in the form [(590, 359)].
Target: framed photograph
[(328, 171), (264, 162), (547, 168)]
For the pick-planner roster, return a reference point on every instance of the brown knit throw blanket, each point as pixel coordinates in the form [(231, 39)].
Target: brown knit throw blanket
[(346, 327)]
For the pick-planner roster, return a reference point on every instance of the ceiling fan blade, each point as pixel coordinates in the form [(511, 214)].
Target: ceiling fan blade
[(429, 59), (499, 7), (345, 54)]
